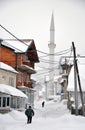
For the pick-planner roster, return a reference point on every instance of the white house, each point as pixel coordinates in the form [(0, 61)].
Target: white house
[(10, 96), (7, 75)]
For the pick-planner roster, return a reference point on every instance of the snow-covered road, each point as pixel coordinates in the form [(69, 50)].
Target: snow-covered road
[(54, 116)]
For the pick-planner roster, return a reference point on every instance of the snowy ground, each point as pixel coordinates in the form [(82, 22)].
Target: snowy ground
[(54, 116)]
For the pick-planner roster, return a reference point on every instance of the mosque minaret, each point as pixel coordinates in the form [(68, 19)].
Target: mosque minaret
[(51, 46)]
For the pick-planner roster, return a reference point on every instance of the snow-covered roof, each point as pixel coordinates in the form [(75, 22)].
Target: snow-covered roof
[(27, 68), (81, 68), (11, 91), (7, 67), (17, 45), (24, 87)]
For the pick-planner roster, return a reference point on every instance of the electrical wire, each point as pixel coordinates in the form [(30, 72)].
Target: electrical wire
[(63, 52), (42, 60), (57, 53), (48, 61), (46, 68), (48, 71), (70, 56)]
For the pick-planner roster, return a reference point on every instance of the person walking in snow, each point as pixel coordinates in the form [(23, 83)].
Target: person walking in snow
[(43, 103), (29, 113)]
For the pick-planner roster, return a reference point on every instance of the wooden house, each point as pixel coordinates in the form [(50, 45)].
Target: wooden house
[(22, 56)]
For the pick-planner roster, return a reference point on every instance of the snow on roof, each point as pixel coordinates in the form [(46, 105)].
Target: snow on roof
[(28, 67), (81, 68), (22, 87), (11, 91), (7, 67), (17, 45), (26, 88)]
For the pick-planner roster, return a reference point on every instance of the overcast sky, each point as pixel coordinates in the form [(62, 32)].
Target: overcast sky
[(31, 19)]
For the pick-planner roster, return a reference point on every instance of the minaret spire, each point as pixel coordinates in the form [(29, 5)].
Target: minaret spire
[(52, 23), (52, 30)]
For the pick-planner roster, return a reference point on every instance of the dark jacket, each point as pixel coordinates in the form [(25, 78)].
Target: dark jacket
[(29, 112)]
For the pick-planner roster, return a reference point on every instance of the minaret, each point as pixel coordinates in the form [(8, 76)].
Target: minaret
[(51, 46)]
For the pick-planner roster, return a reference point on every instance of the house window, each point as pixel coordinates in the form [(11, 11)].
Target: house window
[(4, 101), (3, 77), (11, 81), (0, 101), (7, 101)]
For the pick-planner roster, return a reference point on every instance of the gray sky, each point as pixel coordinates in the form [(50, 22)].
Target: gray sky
[(31, 19)]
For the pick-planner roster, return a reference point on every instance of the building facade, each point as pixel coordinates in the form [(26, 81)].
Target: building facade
[(10, 97), (22, 56)]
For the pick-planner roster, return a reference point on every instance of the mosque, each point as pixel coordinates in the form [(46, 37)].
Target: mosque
[(52, 86)]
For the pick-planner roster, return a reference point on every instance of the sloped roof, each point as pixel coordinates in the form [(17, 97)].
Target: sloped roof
[(18, 46), (22, 46), (27, 68), (21, 87), (7, 67), (11, 91)]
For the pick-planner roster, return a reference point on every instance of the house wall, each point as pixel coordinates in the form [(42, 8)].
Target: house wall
[(9, 57), (5, 76), (7, 102), (23, 78)]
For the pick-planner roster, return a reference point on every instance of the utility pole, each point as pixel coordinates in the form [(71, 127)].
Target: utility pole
[(75, 81), (81, 94), (76, 73)]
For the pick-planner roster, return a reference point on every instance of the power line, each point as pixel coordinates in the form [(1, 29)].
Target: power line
[(26, 44), (47, 68), (48, 61), (57, 53), (42, 60), (13, 47), (13, 35), (48, 71)]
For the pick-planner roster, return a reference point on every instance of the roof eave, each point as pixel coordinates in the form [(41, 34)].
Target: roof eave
[(28, 69)]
